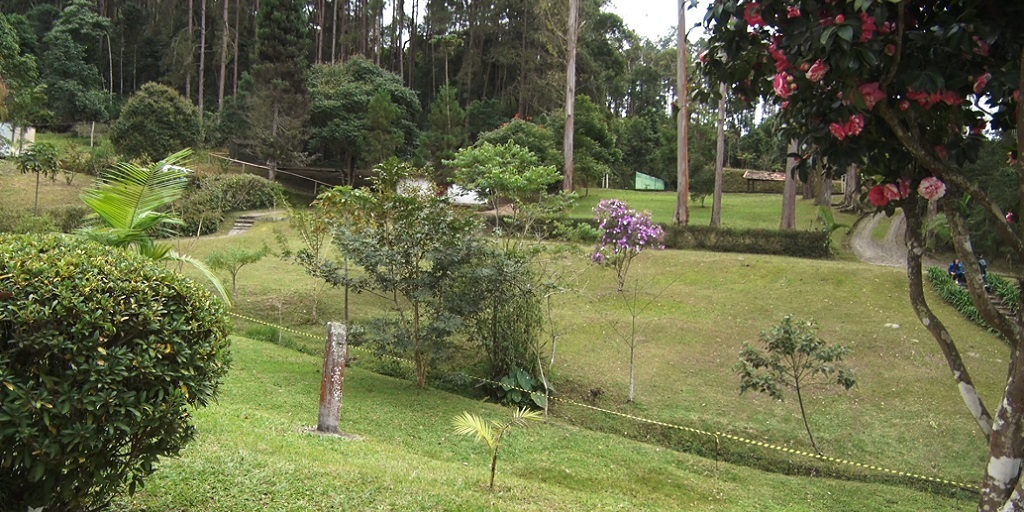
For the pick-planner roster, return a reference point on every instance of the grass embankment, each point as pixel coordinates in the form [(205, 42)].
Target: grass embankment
[(254, 453), (905, 412), (18, 191)]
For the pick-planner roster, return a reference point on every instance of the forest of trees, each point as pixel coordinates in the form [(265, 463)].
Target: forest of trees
[(349, 83)]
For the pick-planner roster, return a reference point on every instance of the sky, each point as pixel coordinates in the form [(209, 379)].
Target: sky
[(655, 19)]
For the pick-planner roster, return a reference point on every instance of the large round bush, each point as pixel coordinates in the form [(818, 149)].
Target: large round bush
[(102, 356), (156, 122)]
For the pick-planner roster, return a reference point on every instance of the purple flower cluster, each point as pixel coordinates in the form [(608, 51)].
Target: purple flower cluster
[(624, 230), (625, 233)]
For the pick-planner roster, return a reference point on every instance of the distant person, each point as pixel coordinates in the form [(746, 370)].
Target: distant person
[(956, 271), (983, 266)]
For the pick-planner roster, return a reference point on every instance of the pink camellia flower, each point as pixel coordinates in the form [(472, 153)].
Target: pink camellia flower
[(867, 27), (941, 151), (904, 105), (838, 130), (904, 185), (931, 188), (840, 19), (793, 11), (891, 192), (983, 46), (855, 125), (951, 98), (886, 27), (872, 93), (752, 14), (877, 196), (817, 71), (981, 82), (781, 61), (890, 49), (781, 84)]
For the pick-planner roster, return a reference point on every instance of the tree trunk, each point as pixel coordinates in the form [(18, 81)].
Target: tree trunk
[(570, 98), (803, 414), (789, 193), (682, 214), (938, 331), (332, 380), (334, 29), (188, 68), (716, 207), (225, 25), (202, 53), (238, 29)]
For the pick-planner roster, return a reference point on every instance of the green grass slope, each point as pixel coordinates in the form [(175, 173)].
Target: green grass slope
[(254, 453), (905, 413)]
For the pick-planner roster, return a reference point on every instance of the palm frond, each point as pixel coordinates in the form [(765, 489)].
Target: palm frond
[(522, 415), (130, 195), (198, 265), (473, 425)]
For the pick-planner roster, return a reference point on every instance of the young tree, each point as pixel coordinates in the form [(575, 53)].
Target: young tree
[(793, 357), (232, 260), (41, 159), (493, 433), (905, 89), (409, 243), (626, 233), (504, 173), (572, 35), (447, 130), (383, 136)]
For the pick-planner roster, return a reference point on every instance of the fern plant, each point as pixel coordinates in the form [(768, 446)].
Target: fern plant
[(493, 432)]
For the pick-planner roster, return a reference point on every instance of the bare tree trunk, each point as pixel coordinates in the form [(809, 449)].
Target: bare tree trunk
[(320, 20), (238, 31), (682, 214), (225, 25), (202, 53), (570, 97), (334, 29), (188, 68), (412, 43), (789, 193), (716, 207), (332, 380)]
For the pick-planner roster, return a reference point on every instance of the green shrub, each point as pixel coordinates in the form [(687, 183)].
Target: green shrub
[(67, 219), (154, 123), (955, 295), (22, 221), (203, 207), (102, 354), (798, 244)]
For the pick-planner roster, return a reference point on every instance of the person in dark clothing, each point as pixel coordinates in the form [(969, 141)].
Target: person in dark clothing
[(983, 266), (956, 271)]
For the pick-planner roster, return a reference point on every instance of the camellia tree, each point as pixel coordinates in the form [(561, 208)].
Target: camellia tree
[(905, 90)]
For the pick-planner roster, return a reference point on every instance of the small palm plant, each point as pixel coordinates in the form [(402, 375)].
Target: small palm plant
[(129, 200), (493, 432)]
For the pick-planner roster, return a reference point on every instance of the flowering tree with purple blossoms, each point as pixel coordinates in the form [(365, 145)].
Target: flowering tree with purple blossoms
[(906, 91), (625, 233)]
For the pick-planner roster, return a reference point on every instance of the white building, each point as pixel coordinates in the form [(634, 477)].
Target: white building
[(14, 140)]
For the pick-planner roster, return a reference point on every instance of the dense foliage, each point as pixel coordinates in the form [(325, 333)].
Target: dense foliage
[(102, 355), (154, 123)]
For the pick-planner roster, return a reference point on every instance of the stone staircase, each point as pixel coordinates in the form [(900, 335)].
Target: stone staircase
[(242, 224)]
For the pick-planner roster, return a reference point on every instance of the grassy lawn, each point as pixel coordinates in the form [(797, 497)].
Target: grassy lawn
[(739, 211), (905, 412), (17, 191), (254, 453)]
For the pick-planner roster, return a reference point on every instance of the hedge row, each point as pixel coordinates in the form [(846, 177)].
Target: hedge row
[(210, 197), (797, 244), (960, 298)]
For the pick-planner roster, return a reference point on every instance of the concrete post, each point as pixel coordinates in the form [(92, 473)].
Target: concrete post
[(332, 382)]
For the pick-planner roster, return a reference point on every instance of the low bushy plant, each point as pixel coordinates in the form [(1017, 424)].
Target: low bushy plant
[(102, 355), (208, 198)]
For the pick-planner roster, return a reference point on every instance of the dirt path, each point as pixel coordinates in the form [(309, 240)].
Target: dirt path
[(890, 251)]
